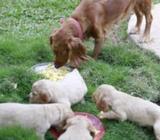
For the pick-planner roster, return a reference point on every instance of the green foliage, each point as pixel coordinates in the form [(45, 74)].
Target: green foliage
[(16, 84), (127, 131), (17, 133)]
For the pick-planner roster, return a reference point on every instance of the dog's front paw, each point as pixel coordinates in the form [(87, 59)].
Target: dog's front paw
[(134, 30), (145, 39), (101, 115)]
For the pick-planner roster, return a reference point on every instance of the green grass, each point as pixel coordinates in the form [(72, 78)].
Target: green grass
[(25, 27), (17, 133)]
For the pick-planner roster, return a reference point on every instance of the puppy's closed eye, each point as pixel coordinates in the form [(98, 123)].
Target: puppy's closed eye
[(34, 93)]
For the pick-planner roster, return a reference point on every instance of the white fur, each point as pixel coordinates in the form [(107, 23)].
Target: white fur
[(78, 128), (124, 106), (38, 117), (70, 90)]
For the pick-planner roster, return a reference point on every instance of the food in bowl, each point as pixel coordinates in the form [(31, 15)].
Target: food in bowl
[(48, 71), (54, 74)]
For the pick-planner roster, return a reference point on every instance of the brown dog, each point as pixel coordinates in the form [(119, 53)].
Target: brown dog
[(92, 18)]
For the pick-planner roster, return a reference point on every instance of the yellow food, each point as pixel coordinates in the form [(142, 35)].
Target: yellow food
[(54, 74)]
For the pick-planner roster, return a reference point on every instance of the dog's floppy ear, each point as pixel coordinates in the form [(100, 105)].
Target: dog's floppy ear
[(44, 98), (78, 51), (51, 36), (102, 103), (50, 40)]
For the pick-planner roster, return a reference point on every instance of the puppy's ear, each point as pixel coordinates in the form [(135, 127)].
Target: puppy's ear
[(78, 51), (44, 98), (103, 104)]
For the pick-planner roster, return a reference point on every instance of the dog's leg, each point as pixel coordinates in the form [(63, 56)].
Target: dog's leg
[(99, 39), (41, 136), (108, 115), (122, 115), (97, 47), (146, 35), (41, 131), (113, 115), (157, 130), (146, 9), (139, 15)]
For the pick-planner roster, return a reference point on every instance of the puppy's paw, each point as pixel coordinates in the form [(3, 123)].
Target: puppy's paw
[(101, 115)]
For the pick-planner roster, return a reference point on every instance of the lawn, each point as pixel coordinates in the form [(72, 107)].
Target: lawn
[(25, 26), (17, 133)]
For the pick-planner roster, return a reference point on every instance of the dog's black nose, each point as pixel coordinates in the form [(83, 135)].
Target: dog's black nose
[(56, 65)]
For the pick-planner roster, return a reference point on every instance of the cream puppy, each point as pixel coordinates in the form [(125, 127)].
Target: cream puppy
[(38, 117), (78, 128), (70, 90), (124, 106)]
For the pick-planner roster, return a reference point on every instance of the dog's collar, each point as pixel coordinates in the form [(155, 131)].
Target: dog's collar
[(77, 25)]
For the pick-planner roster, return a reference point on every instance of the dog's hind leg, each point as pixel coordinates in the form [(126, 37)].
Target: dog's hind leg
[(146, 10), (139, 15), (157, 130)]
